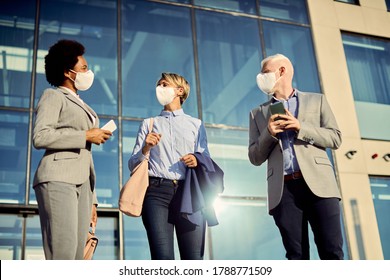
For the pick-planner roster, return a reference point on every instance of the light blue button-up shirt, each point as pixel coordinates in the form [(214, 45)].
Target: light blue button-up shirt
[(289, 158), (181, 134)]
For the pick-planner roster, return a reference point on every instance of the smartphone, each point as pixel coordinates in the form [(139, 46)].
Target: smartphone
[(277, 108), (111, 126)]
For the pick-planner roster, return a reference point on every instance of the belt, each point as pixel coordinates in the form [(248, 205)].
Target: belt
[(293, 176), (163, 181)]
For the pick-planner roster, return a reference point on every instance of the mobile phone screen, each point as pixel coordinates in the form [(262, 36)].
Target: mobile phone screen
[(277, 108)]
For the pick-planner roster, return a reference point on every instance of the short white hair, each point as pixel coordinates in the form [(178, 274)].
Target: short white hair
[(277, 56)]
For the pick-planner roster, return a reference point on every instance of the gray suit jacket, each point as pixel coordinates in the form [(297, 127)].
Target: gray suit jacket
[(318, 131), (60, 128)]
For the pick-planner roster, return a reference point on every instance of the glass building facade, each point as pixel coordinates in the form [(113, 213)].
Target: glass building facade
[(216, 45)]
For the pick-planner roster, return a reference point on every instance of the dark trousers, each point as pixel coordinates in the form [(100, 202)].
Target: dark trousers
[(161, 217), (300, 207)]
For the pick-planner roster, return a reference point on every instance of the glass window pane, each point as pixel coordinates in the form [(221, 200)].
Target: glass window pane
[(13, 161), (34, 247), (368, 61), (388, 5), (229, 149), (10, 237), (368, 115), (156, 38), (296, 43), (82, 21), (106, 163), (244, 6), (108, 233), (248, 219), (129, 135), (135, 239), (380, 188), (295, 11), (229, 60), (17, 24)]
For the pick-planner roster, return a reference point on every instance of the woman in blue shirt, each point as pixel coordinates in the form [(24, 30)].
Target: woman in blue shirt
[(174, 139)]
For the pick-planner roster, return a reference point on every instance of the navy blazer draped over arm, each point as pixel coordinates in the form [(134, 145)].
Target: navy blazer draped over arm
[(202, 185)]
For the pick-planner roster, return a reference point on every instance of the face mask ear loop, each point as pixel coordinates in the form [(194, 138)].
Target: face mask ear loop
[(73, 80)]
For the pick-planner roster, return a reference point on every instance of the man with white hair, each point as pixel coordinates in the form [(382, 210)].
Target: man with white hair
[(302, 187)]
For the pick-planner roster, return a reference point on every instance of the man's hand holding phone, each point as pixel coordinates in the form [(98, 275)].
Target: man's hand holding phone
[(281, 119)]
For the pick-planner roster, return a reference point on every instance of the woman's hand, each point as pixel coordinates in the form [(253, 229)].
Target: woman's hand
[(98, 136), (152, 139), (189, 160)]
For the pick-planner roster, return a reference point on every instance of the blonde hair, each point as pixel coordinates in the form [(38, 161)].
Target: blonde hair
[(177, 81)]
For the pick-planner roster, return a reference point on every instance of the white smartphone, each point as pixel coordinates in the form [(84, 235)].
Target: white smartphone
[(111, 126)]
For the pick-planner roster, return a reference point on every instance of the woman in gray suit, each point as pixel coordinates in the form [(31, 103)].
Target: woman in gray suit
[(66, 128)]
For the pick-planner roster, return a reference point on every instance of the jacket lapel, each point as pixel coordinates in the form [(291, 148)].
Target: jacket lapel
[(84, 106)]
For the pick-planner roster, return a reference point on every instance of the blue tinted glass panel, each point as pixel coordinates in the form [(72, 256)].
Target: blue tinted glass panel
[(388, 5), (156, 38), (295, 11), (368, 115), (243, 6), (368, 61), (93, 24), (11, 237), (17, 24), (249, 222), (136, 244), (34, 247), (107, 169), (107, 231), (229, 149), (229, 59), (129, 135), (296, 43), (13, 161), (380, 188)]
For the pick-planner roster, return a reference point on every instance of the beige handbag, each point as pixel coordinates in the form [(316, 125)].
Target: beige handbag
[(133, 191), (90, 245)]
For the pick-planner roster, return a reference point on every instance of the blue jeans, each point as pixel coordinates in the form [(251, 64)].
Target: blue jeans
[(160, 215)]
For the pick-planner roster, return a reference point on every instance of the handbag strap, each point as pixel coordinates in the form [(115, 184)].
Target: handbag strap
[(151, 124), (150, 130)]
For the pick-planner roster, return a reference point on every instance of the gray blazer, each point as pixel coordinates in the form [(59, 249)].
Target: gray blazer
[(318, 131), (60, 128)]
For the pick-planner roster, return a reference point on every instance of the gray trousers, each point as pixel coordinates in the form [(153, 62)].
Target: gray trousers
[(65, 216)]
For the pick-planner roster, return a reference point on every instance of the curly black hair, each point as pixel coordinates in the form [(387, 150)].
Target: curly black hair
[(62, 56)]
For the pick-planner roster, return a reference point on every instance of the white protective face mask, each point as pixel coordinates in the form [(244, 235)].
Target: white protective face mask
[(165, 95), (266, 81), (83, 80)]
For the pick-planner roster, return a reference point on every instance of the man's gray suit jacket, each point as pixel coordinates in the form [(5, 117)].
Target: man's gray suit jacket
[(318, 131)]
